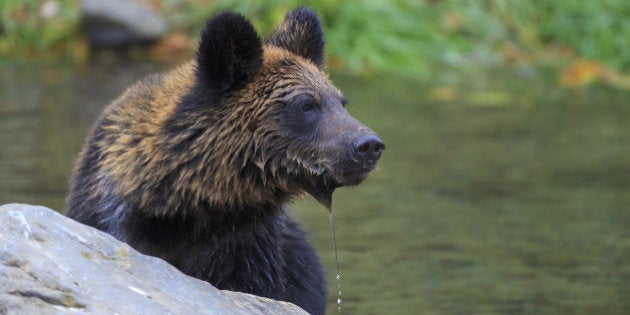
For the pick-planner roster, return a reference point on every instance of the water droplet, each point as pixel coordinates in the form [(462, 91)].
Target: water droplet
[(334, 243)]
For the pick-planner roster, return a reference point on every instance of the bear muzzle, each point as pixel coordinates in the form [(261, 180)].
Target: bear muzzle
[(350, 163), (367, 149)]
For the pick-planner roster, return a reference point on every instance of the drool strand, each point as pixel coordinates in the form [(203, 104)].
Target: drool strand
[(334, 243)]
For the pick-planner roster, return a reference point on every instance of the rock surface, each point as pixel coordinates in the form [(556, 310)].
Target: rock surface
[(50, 264), (120, 23)]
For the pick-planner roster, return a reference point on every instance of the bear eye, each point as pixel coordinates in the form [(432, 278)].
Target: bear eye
[(307, 107)]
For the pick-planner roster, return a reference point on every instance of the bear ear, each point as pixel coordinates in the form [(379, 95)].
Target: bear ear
[(301, 33), (230, 52)]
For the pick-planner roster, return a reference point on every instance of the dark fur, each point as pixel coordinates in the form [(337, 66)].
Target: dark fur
[(196, 165)]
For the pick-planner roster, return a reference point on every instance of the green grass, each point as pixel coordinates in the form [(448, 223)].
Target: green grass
[(26, 29), (409, 37), (406, 37)]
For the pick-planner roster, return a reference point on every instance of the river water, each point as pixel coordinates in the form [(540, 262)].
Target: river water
[(499, 193)]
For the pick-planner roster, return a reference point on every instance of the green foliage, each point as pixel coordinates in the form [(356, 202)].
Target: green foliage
[(595, 29), (590, 29), (362, 36), (376, 35), (408, 37), (37, 25)]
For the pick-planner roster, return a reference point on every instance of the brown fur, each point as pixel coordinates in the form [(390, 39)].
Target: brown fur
[(196, 165), (136, 153)]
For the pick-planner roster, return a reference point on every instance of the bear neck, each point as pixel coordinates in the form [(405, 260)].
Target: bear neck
[(209, 158), (197, 156), (152, 235)]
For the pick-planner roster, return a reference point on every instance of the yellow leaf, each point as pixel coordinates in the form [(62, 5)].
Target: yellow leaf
[(582, 72)]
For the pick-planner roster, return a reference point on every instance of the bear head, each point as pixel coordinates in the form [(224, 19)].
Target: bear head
[(274, 111)]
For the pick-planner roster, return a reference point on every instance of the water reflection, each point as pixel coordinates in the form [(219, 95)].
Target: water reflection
[(497, 194), (46, 109)]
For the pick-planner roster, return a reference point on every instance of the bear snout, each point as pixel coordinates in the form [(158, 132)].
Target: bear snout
[(367, 149), (353, 157)]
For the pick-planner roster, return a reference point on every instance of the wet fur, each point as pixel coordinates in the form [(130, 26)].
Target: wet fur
[(196, 165)]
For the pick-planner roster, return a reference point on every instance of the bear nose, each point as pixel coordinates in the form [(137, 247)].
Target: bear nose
[(368, 148)]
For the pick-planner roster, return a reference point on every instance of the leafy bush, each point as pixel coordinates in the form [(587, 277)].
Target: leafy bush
[(407, 37), (33, 26), (362, 36)]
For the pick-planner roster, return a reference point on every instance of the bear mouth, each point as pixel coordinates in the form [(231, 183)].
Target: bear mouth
[(321, 191), (324, 180)]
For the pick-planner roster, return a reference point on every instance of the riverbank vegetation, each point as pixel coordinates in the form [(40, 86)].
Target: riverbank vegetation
[(584, 41)]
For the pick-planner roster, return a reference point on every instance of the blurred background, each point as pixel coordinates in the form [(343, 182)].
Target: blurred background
[(505, 186)]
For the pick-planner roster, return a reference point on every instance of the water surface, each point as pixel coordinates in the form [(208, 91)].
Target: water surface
[(498, 193)]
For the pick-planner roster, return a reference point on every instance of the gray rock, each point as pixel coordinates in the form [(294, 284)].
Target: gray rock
[(120, 23), (50, 264)]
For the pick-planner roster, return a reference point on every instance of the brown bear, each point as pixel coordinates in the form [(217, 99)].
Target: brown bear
[(196, 166)]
